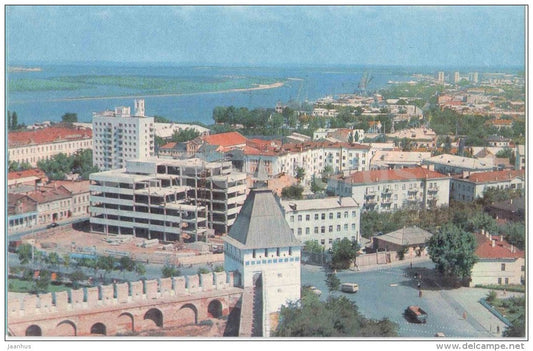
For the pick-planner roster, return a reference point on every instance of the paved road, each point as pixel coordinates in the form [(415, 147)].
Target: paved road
[(386, 292)]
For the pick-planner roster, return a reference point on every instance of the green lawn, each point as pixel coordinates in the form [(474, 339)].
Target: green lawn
[(24, 286)]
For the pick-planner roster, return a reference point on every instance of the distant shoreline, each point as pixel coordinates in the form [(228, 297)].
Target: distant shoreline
[(24, 69), (258, 87)]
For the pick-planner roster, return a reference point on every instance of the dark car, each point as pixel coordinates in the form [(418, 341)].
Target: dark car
[(52, 225)]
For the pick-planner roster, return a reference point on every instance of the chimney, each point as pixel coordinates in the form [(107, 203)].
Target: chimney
[(493, 243), (512, 249), (482, 231), (501, 237)]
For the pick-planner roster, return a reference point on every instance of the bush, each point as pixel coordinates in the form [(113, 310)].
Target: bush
[(491, 296), (203, 270), (207, 322), (218, 269)]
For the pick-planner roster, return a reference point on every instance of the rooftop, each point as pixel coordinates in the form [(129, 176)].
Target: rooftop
[(460, 162), (407, 236), (225, 139), (261, 224), (500, 249), (495, 176), (387, 175), (47, 135), (319, 204), (28, 173)]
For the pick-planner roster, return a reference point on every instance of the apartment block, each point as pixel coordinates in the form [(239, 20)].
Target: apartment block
[(388, 190), (119, 136), (313, 156), (42, 144), (323, 220), (453, 164), (167, 199), (472, 187)]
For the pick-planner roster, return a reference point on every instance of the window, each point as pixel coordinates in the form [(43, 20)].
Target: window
[(277, 251), (290, 251), (322, 229), (323, 216), (266, 252), (299, 231), (345, 214), (503, 267), (338, 227), (330, 229), (253, 253), (330, 240), (353, 214), (316, 230), (307, 217), (331, 215), (292, 218), (307, 230), (299, 218), (323, 241), (353, 226), (316, 216), (338, 215), (346, 226)]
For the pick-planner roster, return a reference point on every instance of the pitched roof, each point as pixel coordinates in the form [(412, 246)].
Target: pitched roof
[(261, 224), (50, 194), (75, 187), (47, 135), (386, 175), (496, 176), (407, 236), (225, 139), (501, 249), (34, 172)]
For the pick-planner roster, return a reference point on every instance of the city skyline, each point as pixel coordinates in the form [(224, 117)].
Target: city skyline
[(448, 36)]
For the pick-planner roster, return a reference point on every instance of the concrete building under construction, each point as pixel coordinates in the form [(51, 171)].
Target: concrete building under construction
[(167, 199)]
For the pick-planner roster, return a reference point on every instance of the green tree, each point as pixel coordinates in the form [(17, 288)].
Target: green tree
[(184, 135), (53, 259), (336, 317), (202, 270), (350, 138), (453, 251), (14, 121), (332, 281), (300, 174), (42, 283), (76, 277), (343, 252), (292, 192), (169, 270), (326, 173), (218, 269), (126, 264), (515, 233), (69, 117), (316, 185), (105, 263), (140, 270), (24, 253)]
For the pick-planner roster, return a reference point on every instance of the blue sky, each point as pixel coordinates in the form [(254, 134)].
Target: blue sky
[(482, 36)]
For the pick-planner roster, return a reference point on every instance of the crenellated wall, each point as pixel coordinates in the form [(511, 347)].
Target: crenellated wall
[(125, 307)]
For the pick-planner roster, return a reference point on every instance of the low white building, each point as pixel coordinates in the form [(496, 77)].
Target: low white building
[(453, 164), (323, 220), (397, 159), (472, 187), (388, 190), (499, 262), (166, 130), (520, 153)]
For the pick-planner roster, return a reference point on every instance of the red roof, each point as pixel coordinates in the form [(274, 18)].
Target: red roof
[(34, 172), (47, 135), (501, 249), (485, 177), (225, 139), (168, 145), (502, 122), (50, 194), (385, 175), (74, 186)]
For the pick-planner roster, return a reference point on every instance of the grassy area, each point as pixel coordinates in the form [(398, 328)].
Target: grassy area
[(513, 288), (24, 286)]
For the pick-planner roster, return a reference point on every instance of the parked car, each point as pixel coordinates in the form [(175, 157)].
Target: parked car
[(349, 287), (416, 314), (52, 225)]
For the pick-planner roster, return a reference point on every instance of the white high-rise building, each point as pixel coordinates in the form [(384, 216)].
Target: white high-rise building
[(118, 136), (440, 77), (456, 77)]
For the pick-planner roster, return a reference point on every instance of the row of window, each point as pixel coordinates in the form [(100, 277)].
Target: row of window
[(323, 229), (44, 148), (322, 216), (272, 260)]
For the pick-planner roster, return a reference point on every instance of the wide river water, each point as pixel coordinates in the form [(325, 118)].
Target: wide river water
[(182, 94)]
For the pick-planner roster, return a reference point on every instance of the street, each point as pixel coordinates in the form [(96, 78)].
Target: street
[(386, 292)]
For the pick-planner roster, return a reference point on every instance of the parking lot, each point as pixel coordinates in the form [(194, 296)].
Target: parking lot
[(386, 292)]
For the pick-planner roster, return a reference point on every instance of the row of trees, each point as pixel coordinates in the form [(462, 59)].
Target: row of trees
[(335, 317), (58, 166)]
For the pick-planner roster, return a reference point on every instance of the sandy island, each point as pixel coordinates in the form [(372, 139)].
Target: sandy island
[(258, 87)]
